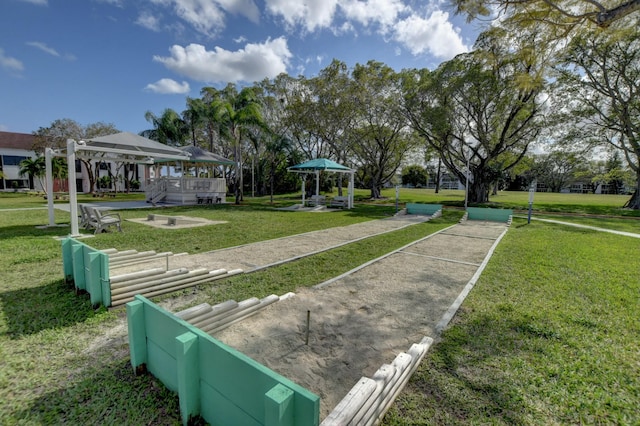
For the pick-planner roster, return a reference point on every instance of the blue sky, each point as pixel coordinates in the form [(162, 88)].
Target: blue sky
[(113, 60)]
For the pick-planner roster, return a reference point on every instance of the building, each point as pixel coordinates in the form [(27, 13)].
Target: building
[(15, 147)]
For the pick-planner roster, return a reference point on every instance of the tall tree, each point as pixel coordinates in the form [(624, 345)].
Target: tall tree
[(242, 112), (380, 136), (56, 135), (601, 73), (562, 14), (332, 112), (169, 128), (480, 110)]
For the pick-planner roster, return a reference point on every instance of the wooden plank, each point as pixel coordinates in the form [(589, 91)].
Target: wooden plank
[(349, 406)]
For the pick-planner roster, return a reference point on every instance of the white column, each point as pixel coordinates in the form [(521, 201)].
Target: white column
[(73, 196), (351, 188), (317, 182), (49, 184)]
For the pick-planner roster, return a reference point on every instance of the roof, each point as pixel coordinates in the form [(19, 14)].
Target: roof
[(319, 164), (199, 155), (12, 140), (135, 144)]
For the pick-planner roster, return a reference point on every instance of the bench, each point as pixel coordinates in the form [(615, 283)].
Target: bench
[(424, 209), (103, 221), (339, 201), (316, 200), (488, 214), (208, 198)]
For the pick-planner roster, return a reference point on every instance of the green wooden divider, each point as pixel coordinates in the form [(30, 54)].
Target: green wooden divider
[(420, 208), (495, 215), (213, 380), (88, 268)]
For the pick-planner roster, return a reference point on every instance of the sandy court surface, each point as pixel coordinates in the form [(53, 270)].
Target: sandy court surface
[(256, 255), (363, 320)]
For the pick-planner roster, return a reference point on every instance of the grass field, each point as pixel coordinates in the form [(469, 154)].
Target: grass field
[(548, 335)]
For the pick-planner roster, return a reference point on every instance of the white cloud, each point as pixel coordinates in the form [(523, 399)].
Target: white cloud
[(9, 63), (434, 35), (4, 128), (43, 47), (148, 21), (208, 16), (167, 86), (252, 63), (38, 2), (246, 8), (371, 12), (310, 14)]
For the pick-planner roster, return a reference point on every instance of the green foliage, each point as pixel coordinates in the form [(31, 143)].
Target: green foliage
[(547, 336), (414, 175)]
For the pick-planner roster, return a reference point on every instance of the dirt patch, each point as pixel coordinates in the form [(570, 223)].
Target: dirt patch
[(175, 222), (365, 319)]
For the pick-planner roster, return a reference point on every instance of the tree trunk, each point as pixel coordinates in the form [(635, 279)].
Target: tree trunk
[(634, 201), (478, 192)]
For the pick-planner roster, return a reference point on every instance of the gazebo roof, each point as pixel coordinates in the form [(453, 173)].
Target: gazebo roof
[(126, 143), (199, 155), (319, 164)]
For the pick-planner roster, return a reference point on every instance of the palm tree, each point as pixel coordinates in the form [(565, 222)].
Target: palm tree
[(169, 128), (33, 167), (242, 112)]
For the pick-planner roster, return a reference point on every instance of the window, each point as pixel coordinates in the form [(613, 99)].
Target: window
[(12, 160)]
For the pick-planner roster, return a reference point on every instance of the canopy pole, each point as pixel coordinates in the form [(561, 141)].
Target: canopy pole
[(73, 196), (304, 188), (49, 184), (350, 195), (317, 183)]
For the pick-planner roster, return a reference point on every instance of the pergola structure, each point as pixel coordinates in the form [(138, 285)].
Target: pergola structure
[(123, 146), (324, 164)]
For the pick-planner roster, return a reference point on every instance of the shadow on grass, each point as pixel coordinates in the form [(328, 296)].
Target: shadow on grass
[(108, 394), (33, 231), (54, 305)]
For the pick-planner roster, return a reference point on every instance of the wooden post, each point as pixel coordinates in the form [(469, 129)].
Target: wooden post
[(137, 335), (188, 375), (278, 406)]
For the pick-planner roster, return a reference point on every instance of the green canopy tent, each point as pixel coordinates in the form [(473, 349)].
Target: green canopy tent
[(323, 164)]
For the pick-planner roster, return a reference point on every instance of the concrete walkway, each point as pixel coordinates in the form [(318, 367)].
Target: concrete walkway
[(264, 254)]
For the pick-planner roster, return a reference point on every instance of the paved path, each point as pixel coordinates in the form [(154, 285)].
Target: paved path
[(255, 256), (593, 228)]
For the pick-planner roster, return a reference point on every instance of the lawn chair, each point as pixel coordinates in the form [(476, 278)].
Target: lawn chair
[(87, 220), (105, 220)]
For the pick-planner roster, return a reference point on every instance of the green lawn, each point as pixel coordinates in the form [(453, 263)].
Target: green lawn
[(548, 335)]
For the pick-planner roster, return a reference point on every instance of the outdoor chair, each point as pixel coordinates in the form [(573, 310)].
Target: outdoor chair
[(87, 219), (339, 201), (105, 220), (316, 200)]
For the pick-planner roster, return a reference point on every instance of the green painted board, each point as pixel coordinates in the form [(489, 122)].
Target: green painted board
[(233, 387)]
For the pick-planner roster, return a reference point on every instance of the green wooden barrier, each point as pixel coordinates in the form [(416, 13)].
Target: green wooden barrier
[(213, 380), (425, 209), (88, 268), (494, 215)]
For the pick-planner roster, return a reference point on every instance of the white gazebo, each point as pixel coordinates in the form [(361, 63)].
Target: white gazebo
[(116, 147)]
